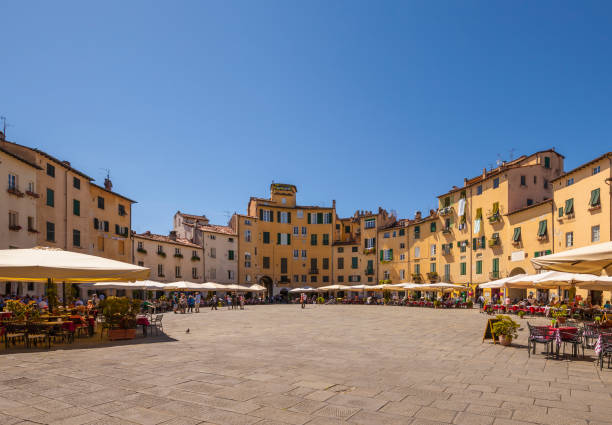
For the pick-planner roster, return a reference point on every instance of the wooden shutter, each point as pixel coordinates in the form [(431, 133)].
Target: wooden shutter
[(288, 239), (594, 198), (517, 234), (289, 217), (319, 218), (391, 254), (308, 218), (483, 242), (475, 243), (278, 216), (278, 239), (261, 214), (271, 216), (381, 255)]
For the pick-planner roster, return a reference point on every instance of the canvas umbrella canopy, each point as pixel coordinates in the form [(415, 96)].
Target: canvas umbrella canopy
[(186, 286), (304, 289), (442, 286), (257, 288), (41, 264), (550, 280), (142, 284), (591, 259), (212, 286), (334, 288), (599, 283), (499, 283), (237, 288)]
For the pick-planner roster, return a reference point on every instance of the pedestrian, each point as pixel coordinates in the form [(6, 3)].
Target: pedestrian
[(303, 300), (214, 302), (241, 302), (198, 300), (234, 303), (190, 303), (228, 300)]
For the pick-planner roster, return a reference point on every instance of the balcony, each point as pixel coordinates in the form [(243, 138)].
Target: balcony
[(14, 227), (178, 255), (313, 271), (494, 275), (369, 272), (417, 278), (433, 276), (284, 279), (493, 242), (15, 191), (32, 194), (196, 258), (161, 254), (446, 251), (141, 250), (446, 211), (446, 230), (32, 230), (369, 250)]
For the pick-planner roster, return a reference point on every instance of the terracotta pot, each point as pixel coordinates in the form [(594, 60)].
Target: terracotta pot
[(505, 340), (116, 334), (561, 320)]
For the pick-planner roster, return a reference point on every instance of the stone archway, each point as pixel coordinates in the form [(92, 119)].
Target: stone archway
[(516, 271), (267, 282)]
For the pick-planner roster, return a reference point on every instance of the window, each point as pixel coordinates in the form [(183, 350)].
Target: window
[(31, 224), (304, 231), (13, 220), (340, 263), (569, 181), (569, 239), (50, 232), (266, 237), (446, 272), (370, 223), (354, 262), (50, 170), (303, 278), (386, 254), (402, 257), (313, 279), (535, 179), (266, 215), (432, 250), (542, 229), (478, 266), (313, 239), (230, 254), (545, 184), (160, 249), (402, 245), (12, 181), (300, 213), (479, 190), (340, 279), (247, 260), (596, 170), (194, 272), (247, 236), (213, 237), (177, 252), (106, 226), (284, 217), (296, 254), (313, 265), (417, 232), (495, 182), (121, 210), (462, 269), (230, 240), (100, 202), (50, 198), (432, 227), (569, 206), (595, 200), (76, 183), (402, 274), (76, 238), (560, 211), (266, 262), (340, 249), (386, 235), (370, 243), (432, 267), (547, 162), (296, 231), (347, 229), (140, 246), (325, 278), (529, 202), (516, 236), (213, 252), (402, 232), (283, 239), (283, 201), (523, 181), (417, 269), (595, 233), (283, 265), (354, 249), (386, 274), (141, 263), (76, 207), (327, 218), (325, 239), (247, 222), (160, 270), (212, 273), (326, 264), (296, 278), (417, 252)]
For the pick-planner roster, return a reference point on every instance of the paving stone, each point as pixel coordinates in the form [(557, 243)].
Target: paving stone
[(434, 414), (141, 415), (320, 395), (403, 407), (465, 418), (489, 411), (338, 412), (351, 400), (376, 418), (307, 406), (281, 415)]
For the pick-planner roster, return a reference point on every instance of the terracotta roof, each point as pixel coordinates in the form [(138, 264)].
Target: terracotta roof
[(227, 230), (586, 164), (195, 217), (17, 157), (167, 239), (537, 204), (113, 193)]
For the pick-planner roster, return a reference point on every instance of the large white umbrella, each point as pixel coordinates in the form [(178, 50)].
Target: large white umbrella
[(237, 288), (186, 286), (442, 286), (41, 264), (599, 283), (550, 280), (141, 284), (304, 289), (588, 259), (334, 288), (499, 283), (212, 286), (257, 288)]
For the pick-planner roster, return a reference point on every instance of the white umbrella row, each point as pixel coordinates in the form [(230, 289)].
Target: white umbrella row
[(552, 280), (178, 286)]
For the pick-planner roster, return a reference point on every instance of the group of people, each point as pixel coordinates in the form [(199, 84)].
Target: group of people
[(186, 303), (232, 302)]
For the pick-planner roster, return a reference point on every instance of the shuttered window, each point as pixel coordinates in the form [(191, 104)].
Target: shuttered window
[(569, 206), (542, 229), (516, 237), (595, 199)]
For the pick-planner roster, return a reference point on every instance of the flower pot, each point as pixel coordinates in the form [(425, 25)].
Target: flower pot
[(117, 334), (505, 340), (561, 320)]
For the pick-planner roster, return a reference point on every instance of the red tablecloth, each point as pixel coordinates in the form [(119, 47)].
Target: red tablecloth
[(142, 321), (5, 315), (69, 326)]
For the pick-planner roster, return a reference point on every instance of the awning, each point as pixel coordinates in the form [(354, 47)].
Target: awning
[(589, 259)]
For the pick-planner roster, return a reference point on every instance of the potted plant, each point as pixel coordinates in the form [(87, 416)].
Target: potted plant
[(121, 314), (521, 314), (560, 315), (437, 304), (506, 329)]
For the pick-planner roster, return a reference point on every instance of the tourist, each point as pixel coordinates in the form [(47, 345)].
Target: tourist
[(198, 300), (241, 302), (214, 302), (303, 300), (228, 301), (190, 303), (234, 303)]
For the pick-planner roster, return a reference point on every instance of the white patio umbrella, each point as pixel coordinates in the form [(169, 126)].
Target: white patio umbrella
[(599, 283), (499, 283), (304, 289), (550, 280), (257, 288), (141, 284), (212, 286), (334, 288), (589, 259), (42, 264), (442, 286), (237, 288), (186, 286)]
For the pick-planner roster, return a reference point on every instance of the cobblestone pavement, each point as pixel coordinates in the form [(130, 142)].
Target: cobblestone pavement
[(323, 365)]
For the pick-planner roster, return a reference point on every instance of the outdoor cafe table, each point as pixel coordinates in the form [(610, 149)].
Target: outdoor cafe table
[(144, 322)]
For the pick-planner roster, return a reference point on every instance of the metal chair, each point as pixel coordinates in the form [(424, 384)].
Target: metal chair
[(35, 334), (539, 335), (606, 349), (156, 323), (14, 333)]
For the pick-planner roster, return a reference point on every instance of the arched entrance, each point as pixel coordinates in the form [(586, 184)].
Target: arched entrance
[(267, 282), (516, 271)]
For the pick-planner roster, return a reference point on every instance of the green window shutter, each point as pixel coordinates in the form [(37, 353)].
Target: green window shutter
[(536, 254), (289, 217), (483, 242), (370, 264), (402, 232), (266, 237), (542, 228), (272, 216), (560, 211), (517, 234), (319, 218), (230, 254), (479, 267), (463, 269), (496, 265), (548, 252), (288, 238), (76, 207), (329, 217), (313, 239), (546, 162), (354, 262), (261, 215), (278, 214), (432, 227), (308, 218), (569, 206), (278, 239), (458, 244), (475, 243), (381, 255), (391, 254), (594, 198)]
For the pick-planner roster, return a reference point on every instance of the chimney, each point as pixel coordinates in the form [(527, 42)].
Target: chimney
[(432, 212), (417, 215), (147, 233), (333, 203), (172, 235), (465, 181), (484, 172), (108, 185), (66, 163), (2, 136)]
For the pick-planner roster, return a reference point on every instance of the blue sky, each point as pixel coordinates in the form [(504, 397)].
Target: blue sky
[(198, 105)]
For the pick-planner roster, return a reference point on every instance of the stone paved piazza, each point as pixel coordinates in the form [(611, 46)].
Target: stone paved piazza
[(324, 365)]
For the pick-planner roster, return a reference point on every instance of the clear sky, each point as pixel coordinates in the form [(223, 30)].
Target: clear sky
[(198, 105)]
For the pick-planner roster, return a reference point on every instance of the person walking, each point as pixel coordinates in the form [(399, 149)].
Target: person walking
[(234, 303), (198, 300), (241, 298), (228, 300), (303, 299), (190, 303), (214, 302)]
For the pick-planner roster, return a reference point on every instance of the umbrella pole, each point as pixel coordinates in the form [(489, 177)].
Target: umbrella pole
[(64, 294)]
